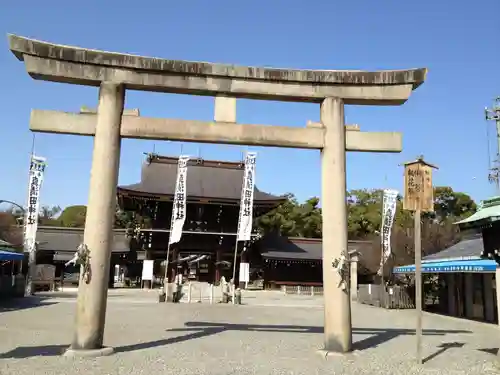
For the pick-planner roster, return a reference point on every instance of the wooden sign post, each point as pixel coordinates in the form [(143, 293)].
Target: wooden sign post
[(419, 197)]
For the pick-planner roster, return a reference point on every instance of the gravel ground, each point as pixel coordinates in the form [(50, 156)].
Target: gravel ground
[(273, 334)]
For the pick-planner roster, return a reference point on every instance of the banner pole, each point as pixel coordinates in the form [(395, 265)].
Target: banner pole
[(178, 213), (234, 269), (165, 277), (246, 210), (382, 255), (36, 171)]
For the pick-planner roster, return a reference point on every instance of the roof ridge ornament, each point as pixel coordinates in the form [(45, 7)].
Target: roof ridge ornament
[(151, 156)]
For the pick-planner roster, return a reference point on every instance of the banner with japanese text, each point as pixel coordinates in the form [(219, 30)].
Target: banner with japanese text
[(179, 202), (390, 199), (246, 205), (37, 169)]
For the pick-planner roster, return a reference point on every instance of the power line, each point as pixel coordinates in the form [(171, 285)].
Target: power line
[(33, 145)]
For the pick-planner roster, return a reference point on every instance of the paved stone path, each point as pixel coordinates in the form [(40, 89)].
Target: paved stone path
[(273, 334)]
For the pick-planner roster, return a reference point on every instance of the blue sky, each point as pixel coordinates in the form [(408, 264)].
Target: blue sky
[(444, 119)]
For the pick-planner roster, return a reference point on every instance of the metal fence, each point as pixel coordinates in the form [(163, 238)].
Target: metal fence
[(302, 290), (194, 292), (391, 297)]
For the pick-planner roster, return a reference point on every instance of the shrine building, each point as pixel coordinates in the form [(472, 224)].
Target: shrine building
[(209, 233), (212, 210)]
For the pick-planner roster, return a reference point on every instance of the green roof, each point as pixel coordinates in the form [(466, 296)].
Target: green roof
[(5, 243), (488, 212)]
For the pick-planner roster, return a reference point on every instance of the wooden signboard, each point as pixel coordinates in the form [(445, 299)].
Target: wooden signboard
[(419, 193), (419, 197)]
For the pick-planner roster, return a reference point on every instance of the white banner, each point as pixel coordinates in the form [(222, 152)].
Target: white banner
[(179, 204), (246, 205), (389, 202), (37, 168)]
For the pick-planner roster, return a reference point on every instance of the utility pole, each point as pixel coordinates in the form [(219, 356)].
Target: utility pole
[(493, 114)]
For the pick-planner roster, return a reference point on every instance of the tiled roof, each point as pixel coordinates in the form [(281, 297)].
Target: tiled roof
[(68, 239), (205, 179), (466, 249), (280, 247)]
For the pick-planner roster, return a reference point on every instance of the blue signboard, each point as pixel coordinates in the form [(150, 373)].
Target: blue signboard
[(477, 266)]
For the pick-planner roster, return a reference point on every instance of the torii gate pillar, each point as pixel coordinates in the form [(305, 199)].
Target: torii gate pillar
[(337, 309), (98, 235)]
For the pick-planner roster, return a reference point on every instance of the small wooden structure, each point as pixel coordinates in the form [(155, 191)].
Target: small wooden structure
[(393, 297), (419, 193), (419, 197)]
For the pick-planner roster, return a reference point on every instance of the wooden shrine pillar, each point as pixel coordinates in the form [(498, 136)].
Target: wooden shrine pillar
[(218, 258), (173, 266)]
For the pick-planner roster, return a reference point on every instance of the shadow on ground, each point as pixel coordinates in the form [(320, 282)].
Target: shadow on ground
[(442, 348), (70, 295), (195, 330), (22, 303), (493, 351)]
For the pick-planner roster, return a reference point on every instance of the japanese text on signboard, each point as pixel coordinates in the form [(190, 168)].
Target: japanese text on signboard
[(418, 187), (37, 169), (180, 191), (179, 201), (246, 204), (388, 212), (248, 187)]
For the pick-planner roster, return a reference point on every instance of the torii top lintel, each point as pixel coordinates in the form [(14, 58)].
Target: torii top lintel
[(59, 63)]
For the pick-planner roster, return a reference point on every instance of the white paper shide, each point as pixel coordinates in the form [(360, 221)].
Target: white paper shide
[(390, 198), (246, 204), (37, 169), (179, 205)]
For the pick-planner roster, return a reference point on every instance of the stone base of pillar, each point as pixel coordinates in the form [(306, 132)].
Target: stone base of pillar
[(329, 353), (169, 293), (88, 353)]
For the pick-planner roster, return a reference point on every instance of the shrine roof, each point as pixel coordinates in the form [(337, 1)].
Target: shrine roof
[(297, 248), (209, 179), (61, 239), (467, 249)]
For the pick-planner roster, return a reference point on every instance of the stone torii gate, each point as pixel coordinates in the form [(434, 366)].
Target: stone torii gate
[(114, 73)]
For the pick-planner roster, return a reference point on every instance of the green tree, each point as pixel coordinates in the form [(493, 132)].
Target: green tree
[(364, 212), (451, 204), (308, 219), (283, 219), (73, 216), (293, 219)]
